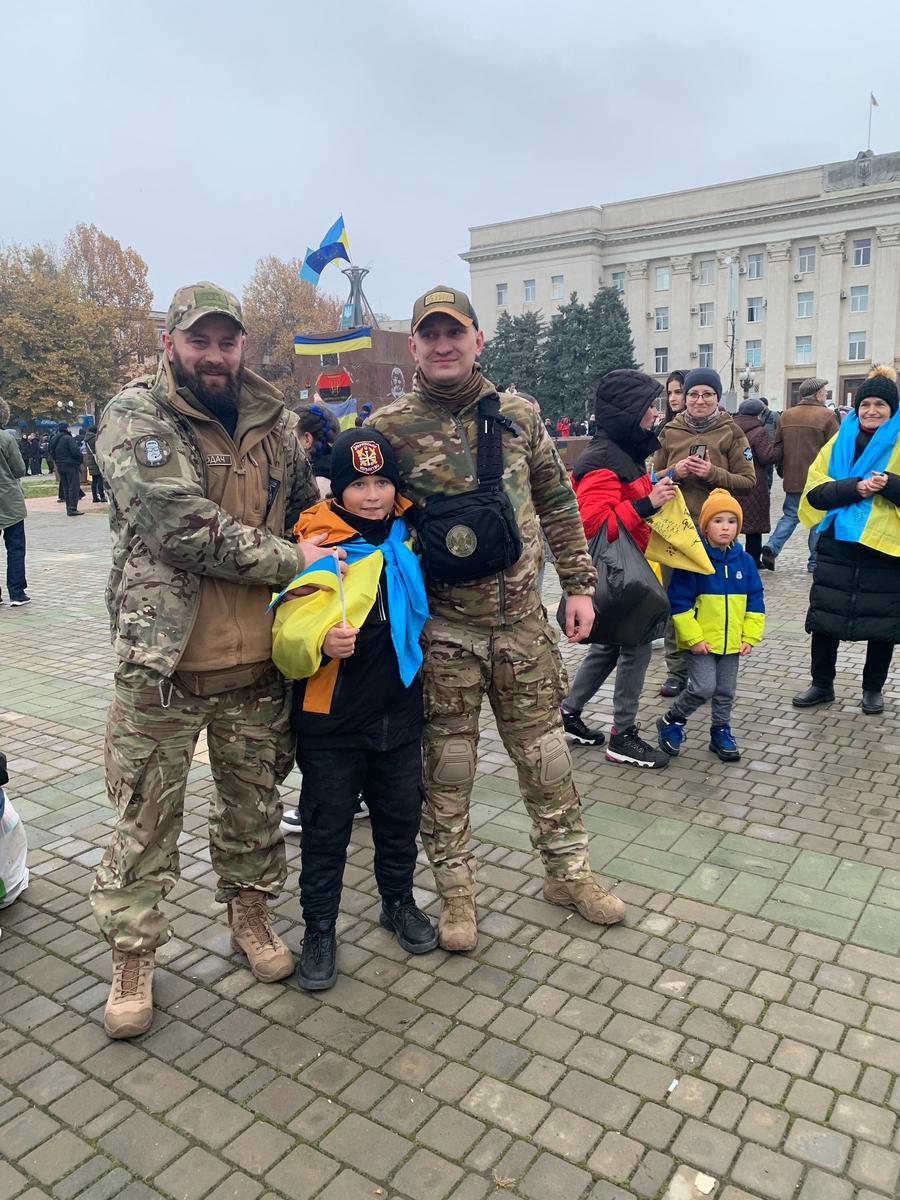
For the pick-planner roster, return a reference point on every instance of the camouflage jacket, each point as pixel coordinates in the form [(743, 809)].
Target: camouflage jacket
[(167, 534), (437, 451)]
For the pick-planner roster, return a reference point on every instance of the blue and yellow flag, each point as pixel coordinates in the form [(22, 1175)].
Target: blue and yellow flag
[(333, 343), (335, 244)]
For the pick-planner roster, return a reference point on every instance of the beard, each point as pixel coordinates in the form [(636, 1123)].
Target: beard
[(221, 397)]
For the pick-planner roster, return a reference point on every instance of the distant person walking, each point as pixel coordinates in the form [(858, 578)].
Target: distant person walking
[(12, 512), (98, 491), (803, 431), (755, 506)]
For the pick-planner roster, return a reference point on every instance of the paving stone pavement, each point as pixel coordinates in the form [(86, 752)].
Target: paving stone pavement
[(744, 1022)]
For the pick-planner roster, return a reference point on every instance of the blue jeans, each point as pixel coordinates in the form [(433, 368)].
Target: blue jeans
[(787, 523), (16, 583)]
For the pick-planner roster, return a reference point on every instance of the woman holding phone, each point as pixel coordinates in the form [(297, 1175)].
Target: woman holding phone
[(702, 449)]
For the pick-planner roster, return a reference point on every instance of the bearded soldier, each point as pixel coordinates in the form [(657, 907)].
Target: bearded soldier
[(205, 476), (486, 480)]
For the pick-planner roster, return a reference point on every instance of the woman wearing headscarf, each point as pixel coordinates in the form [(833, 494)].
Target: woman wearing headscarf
[(755, 505), (613, 489), (852, 495), (703, 449)]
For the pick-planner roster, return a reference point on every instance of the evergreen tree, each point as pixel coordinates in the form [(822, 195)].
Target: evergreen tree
[(566, 376), (513, 355), (610, 333)]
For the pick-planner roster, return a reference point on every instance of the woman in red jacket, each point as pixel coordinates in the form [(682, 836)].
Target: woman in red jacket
[(612, 487)]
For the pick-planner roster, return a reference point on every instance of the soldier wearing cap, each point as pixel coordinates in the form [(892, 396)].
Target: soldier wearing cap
[(206, 476), (489, 634)]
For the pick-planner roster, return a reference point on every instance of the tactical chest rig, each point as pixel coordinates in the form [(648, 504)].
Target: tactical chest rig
[(473, 534)]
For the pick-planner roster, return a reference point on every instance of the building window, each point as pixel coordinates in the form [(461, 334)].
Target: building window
[(804, 304), (859, 298), (754, 309), (707, 270), (706, 315), (705, 354), (754, 353), (556, 287), (502, 293), (807, 260), (754, 266), (618, 280), (803, 349), (662, 279), (662, 359), (857, 346), (862, 252), (529, 290), (662, 320)]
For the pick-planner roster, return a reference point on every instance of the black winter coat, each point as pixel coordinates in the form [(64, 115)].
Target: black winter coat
[(66, 452), (855, 595)]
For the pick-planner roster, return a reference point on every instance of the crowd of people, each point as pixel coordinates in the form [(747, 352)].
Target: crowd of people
[(405, 557)]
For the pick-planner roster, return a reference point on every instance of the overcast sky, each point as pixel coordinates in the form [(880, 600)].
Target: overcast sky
[(211, 133)]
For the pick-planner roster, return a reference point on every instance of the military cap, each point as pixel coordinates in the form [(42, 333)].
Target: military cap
[(443, 299), (197, 300)]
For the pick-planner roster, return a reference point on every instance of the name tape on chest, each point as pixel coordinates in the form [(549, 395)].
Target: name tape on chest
[(152, 451), (218, 460)]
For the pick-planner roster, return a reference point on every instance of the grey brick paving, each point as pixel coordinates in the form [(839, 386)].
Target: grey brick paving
[(740, 1031)]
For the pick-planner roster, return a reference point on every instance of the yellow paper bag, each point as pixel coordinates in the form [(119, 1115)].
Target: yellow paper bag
[(674, 540)]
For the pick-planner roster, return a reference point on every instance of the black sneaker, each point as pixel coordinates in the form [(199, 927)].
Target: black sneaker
[(767, 558), (413, 930), (317, 968), (290, 821), (672, 686), (629, 747), (18, 601), (579, 732)]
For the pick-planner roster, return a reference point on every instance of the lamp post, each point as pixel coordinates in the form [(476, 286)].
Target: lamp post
[(747, 379)]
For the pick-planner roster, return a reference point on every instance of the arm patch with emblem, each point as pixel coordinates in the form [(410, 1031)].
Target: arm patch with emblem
[(152, 451)]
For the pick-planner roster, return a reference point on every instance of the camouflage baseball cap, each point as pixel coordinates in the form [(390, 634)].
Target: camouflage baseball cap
[(443, 299), (198, 300)]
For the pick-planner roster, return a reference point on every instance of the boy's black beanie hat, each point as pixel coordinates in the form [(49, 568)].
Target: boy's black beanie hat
[(357, 453)]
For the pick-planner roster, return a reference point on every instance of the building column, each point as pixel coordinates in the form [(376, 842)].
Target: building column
[(636, 303), (775, 348), (828, 350), (721, 332), (680, 320), (883, 305)]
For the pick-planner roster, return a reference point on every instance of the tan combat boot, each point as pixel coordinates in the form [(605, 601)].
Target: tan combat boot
[(587, 897), (457, 930), (252, 934), (129, 1009)]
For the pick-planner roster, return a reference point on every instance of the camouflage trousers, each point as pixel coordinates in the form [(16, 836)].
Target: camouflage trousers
[(520, 669), (148, 755)]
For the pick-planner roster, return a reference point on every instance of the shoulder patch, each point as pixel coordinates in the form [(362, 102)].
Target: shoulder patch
[(152, 451), (748, 454)]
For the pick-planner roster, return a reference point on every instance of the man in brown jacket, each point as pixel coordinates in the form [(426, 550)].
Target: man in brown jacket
[(803, 431)]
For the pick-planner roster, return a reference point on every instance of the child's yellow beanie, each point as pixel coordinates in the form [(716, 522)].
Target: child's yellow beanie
[(719, 501)]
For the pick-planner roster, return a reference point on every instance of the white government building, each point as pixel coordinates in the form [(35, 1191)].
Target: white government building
[(802, 268)]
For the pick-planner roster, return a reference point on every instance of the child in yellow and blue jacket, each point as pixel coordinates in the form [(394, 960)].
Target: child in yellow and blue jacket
[(719, 618)]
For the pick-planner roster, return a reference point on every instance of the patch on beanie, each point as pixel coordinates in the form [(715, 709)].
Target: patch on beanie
[(367, 458)]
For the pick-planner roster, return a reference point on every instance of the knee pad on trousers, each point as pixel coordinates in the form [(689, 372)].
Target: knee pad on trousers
[(554, 758), (453, 764)]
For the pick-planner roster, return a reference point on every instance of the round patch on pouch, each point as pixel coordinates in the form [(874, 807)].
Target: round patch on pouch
[(152, 451), (367, 458), (461, 541)]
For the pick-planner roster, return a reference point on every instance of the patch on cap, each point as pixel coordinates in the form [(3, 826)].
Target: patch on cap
[(439, 298), (367, 458)]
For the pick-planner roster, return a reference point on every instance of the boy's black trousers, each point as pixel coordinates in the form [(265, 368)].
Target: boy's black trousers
[(391, 784)]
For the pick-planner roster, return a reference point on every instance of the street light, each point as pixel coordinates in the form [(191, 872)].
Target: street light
[(746, 380)]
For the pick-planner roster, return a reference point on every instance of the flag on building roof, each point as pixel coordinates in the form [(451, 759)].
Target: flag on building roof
[(334, 343), (335, 244)]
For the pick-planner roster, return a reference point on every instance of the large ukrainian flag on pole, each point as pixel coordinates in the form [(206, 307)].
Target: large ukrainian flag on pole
[(335, 244)]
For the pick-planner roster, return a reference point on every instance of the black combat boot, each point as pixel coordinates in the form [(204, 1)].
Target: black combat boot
[(317, 968), (413, 930)]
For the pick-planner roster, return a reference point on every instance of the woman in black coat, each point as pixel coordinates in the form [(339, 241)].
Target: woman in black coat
[(855, 594)]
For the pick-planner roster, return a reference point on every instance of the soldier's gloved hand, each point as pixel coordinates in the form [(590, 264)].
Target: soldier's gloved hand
[(579, 617), (312, 550), (340, 641)]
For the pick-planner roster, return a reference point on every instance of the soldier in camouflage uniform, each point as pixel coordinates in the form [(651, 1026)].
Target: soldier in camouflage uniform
[(205, 475), (491, 635)]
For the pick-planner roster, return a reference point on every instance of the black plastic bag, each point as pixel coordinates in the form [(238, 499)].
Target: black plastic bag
[(630, 602)]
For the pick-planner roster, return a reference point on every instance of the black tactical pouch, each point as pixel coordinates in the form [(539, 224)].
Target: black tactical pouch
[(473, 534)]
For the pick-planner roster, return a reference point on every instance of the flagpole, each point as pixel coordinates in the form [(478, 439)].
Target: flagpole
[(869, 139)]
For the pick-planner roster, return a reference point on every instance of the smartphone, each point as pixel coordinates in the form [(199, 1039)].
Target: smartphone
[(700, 449)]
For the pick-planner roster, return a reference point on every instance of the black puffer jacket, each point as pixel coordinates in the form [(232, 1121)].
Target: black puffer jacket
[(855, 594)]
